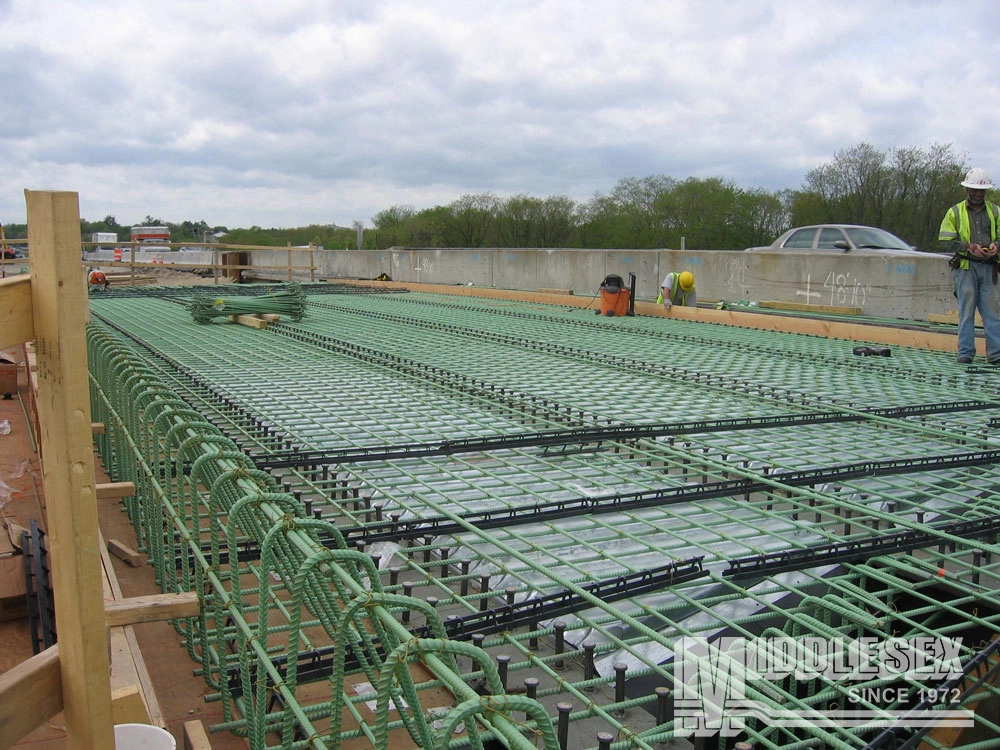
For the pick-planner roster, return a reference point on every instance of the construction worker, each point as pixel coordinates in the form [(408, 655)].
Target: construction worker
[(678, 289), (969, 232)]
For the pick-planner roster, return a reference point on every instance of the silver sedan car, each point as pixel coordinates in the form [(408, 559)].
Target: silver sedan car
[(838, 239)]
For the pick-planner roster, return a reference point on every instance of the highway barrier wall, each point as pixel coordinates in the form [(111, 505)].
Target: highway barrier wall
[(904, 287)]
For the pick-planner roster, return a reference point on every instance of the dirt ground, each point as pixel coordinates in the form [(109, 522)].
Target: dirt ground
[(165, 276)]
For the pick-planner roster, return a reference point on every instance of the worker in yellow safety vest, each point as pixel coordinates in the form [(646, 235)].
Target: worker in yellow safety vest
[(969, 232), (678, 289)]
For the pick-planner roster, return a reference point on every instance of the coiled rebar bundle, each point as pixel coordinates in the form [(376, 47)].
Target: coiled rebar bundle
[(289, 302)]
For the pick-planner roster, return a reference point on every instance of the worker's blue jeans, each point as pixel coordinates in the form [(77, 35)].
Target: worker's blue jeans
[(975, 290)]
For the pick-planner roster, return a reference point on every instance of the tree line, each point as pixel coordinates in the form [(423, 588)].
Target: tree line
[(903, 190)]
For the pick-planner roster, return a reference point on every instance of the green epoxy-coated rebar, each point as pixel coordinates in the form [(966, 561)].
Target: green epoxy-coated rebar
[(371, 370)]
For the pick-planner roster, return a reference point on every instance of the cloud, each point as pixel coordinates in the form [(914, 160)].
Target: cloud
[(244, 112)]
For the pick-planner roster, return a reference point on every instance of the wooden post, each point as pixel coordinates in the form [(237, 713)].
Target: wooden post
[(59, 300), (131, 264)]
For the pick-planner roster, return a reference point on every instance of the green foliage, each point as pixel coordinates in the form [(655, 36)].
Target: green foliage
[(525, 221), (391, 225), (15, 231), (87, 228), (904, 190), (334, 238)]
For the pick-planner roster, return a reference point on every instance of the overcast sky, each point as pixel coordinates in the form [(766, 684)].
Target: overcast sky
[(281, 113)]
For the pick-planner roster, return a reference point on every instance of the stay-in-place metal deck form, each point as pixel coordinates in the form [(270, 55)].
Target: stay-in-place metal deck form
[(512, 520)]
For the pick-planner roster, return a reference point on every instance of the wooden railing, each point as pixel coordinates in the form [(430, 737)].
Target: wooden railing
[(219, 262)]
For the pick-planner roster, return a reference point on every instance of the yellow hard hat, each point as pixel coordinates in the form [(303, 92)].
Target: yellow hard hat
[(686, 281)]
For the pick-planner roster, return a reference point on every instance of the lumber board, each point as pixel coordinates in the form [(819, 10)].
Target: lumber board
[(948, 317), (97, 428), (31, 370), (114, 490), (554, 291), (195, 736), (58, 296), (126, 554), (30, 694), (16, 311), (951, 317), (152, 608), (127, 665), (127, 706), (247, 320), (834, 329), (803, 307)]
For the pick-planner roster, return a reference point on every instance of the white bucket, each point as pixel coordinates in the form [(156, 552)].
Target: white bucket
[(143, 737)]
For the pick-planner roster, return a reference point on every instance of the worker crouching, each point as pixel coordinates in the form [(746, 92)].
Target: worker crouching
[(678, 289)]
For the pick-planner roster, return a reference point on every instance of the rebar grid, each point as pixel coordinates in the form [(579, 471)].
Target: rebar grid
[(363, 371)]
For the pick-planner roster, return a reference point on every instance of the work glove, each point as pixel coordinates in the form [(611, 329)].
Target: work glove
[(667, 304)]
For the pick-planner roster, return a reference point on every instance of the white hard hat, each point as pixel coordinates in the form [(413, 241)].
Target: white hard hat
[(977, 179)]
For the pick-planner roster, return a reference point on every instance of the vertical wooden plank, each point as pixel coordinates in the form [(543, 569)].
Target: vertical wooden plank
[(59, 302)]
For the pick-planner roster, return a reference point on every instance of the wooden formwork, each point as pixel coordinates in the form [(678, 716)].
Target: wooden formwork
[(74, 676), (828, 328)]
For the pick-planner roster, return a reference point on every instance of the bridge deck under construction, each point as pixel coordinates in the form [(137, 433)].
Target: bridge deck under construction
[(515, 522)]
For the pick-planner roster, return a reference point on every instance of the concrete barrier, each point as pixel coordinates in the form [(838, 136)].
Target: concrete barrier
[(904, 287)]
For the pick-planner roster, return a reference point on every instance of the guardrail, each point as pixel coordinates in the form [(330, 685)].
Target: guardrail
[(216, 259)]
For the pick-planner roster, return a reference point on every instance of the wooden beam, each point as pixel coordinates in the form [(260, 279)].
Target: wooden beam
[(58, 296), (247, 320), (127, 665), (125, 553), (195, 736), (15, 311), (152, 608), (30, 694), (97, 428), (127, 706), (803, 307), (951, 318), (114, 490), (833, 329)]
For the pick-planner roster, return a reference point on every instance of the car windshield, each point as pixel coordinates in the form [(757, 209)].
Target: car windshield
[(878, 238)]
